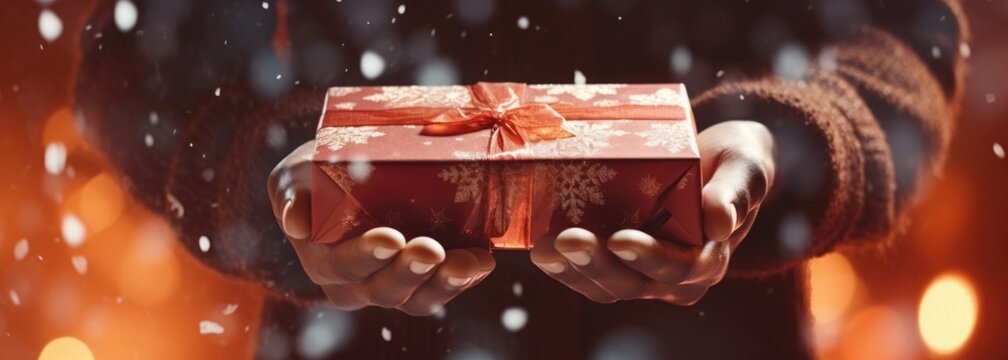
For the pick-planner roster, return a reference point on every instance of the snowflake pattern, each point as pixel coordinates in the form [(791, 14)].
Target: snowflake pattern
[(343, 91), (631, 220), (578, 184), (649, 186), (673, 136), (684, 181), (663, 96), (590, 138), (437, 219), (432, 96), (468, 179), (336, 137), (349, 105), (349, 220), (549, 99), (339, 175), (606, 103), (581, 92)]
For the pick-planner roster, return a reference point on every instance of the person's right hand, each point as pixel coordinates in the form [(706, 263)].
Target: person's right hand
[(378, 268)]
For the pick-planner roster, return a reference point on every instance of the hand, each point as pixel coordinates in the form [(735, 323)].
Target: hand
[(737, 160), (378, 268)]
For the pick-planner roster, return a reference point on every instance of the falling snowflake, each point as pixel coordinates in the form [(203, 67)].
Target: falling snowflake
[(73, 230), (21, 249), (999, 151), (578, 184), (580, 91), (437, 219), (517, 289), (386, 334), (229, 309), (210, 327), (204, 243), (514, 318), (433, 96), (336, 137), (15, 298), (663, 96), (649, 186), (175, 206), (468, 178), (80, 264), (673, 136), (631, 220), (589, 139)]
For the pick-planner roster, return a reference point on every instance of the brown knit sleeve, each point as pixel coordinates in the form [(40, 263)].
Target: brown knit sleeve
[(856, 133)]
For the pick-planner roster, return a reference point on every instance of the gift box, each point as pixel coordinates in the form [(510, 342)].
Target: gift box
[(501, 165)]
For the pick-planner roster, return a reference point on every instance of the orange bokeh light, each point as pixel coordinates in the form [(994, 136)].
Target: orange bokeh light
[(947, 313)]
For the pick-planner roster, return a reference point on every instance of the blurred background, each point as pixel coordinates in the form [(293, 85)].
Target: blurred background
[(87, 271)]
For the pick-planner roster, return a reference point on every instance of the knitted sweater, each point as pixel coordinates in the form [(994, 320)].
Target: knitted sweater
[(199, 102)]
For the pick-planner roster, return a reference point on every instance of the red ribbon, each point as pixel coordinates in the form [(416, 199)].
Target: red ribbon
[(499, 107)]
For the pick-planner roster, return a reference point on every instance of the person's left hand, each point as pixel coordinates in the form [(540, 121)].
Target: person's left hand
[(737, 161)]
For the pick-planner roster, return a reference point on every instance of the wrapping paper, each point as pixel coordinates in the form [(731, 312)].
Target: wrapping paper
[(501, 165)]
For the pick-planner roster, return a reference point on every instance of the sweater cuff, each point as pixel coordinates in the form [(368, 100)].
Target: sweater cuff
[(817, 196)]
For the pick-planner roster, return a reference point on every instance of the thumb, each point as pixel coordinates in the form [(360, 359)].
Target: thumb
[(738, 185), (720, 214), (295, 217)]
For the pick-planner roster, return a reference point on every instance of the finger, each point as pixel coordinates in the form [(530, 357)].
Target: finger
[(461, 269), (588, 257), (737, 186), (345, 297), (290, 176), (295, 217), (394, 284), (660, 261), (710, 265), (353, 260), (545, 256)]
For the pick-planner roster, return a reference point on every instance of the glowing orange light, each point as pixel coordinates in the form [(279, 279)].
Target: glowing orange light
[(878, 332), (150, 271), (947, 313), (101, 202), (66, 348), (833, 285)]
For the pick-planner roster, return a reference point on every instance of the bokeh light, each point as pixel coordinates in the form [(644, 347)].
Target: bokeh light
[(833, 285), (66, 348), (947, 313)]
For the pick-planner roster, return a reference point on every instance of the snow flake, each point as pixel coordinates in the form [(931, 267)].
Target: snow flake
[(15, 298), (73, 230), (55, 157), (517, 289), (210, 327), (265, 5), (229, 309), (514, 318), (578, 184), (999, 151), (175, 206), (80, 264), (386, 334), (649, 186), (663, 96), (990, 98), (523, 22), (216, 91), (580, 91), (371, 64), (148, 140), (204, 243), (125, 15), (433, 96), (579, 78), (21, 249), (401, 10), (336, 137), (468, 178), (673, 136), (349, 220), (50, 25)]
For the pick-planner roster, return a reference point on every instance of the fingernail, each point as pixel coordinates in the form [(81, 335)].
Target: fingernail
[(628, 255), (383, 253), (283, 214), (579, 258), (734, 216), (420, 268), (457, 281), (554, 267)]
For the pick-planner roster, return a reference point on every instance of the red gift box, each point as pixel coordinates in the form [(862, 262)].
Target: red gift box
[(500, 165)]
